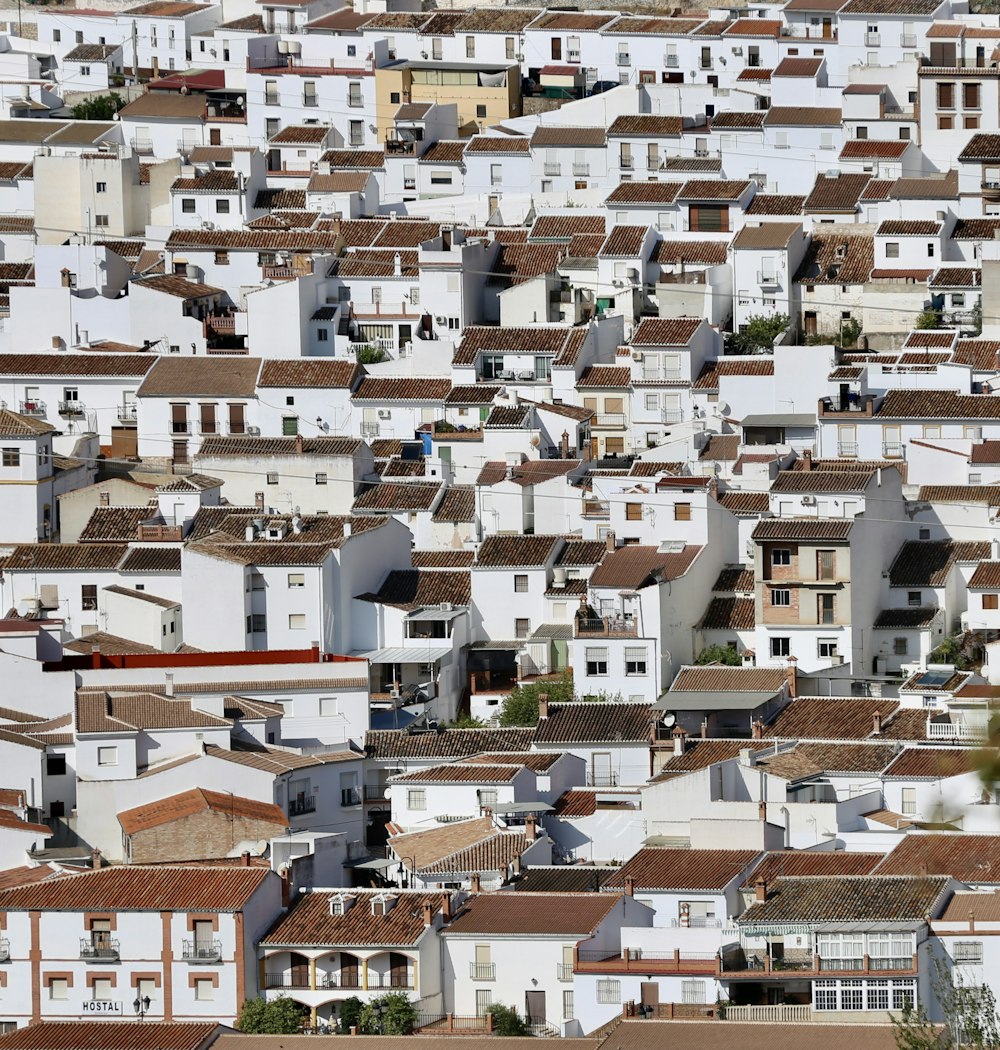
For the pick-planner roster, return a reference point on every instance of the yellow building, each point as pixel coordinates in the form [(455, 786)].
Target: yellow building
[(484, 94)]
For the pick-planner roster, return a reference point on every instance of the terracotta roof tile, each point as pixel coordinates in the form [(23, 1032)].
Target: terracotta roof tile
[(728, 614), (498, 144), (635, 566), (374, 388), (646, 125), (713, 190), (516, 551), (934, 763), (625, 242), (201, 377), (594, 721), (836, 194), (722, 678), (829, 718), (782, 863), (775, 204), (111, 1035), (928, 563), (711, 253), (840, 257), (802, 529), (72, 365), (550, 914), (874, 149), (966, 857), (460, 559), (414, 588), (663, 331), (198, 800), (392, 744), (708, 870)]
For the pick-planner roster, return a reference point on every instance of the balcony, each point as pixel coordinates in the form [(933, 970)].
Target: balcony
[(375, 792), (344, 979), (277, 273), (142, 146), (892, 450), (33, 408), (71, 409), (299, 806), (564, 971), (286, 980), (222, 323), (627, 163), (401, 147), (483, 971), (596, 508), (553, 168), (180, 426), (99, 949), (670, 415), (572, 56), (608, 419), (160, 533), (355, 101), (873, 40), (767, 279), (201, 951), (369, 431), (847, 449), (778, 1013), (390, 980), (908, 40), (603, 780), (350, 797), (955, 730), (581, 169), (623, 58), (606, 626), (853, 404), (671, 61), (310, 101), (126, 414)]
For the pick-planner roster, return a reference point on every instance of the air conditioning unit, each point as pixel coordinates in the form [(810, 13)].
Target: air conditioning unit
[(808, 501), (282, 47), (253, 431), (384, 413), (441, 319), (738, 51), (637, 355)]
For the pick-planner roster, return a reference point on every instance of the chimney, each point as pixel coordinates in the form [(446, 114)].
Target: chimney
[(66, 278), (530, 828), (877, 723), (762, 810), (757, 730), (446, 907), (57, 342), (397, 265), (516, 864), (347, 528), (428, 913), (105, 498), (922, 869), (95, 858), (760, 891), (258, 501), (807, 459), (286, 890), (543, 706), (245, 858), (314, 652), (791, 673), (475, 884), (564, 443), (298, 444), (704, 729), (95, 657), (629, 886), (680, 740), (609, 540), (446, 238), (168, 684)]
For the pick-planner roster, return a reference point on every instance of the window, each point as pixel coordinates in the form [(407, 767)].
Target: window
[(968, 952), (892, 250), (946, 96), (877, 995), (320, 479), (272, 477), (930, 249), (328, 706), (322, 335), (851, 995), (609, 991), (635, 660), (480, 111), (633, 512), (102, 989), (487, 797), (903, 995), (682, 512), (781, 646), (56, 35), (11, 457), (58, 988), (55, 765), (826, 565), (296, 621), (946, 123), (567, 1006), (781, 597), (970, 96), (692, 991), (101, 187), (256, 623), (825, 995), (222, 206), (914, 598), (781, 556), (187, 205), (522, 628), (470, 47), (107, 756), (145, 987), (970, 123), (222, 258), (900, 646), (416, 798), (826, 608), (909, 802), (204, 989), (88, 596), (861, 132), (520, 583), (597, 662), (989, 601), (496, 174)]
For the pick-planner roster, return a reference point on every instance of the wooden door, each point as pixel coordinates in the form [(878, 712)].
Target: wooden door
[(810, 320), (300, 970), (349, 971), (827, 28), (534, 1007), (649, 992), (556, 48), (398, 971), (124, 442)]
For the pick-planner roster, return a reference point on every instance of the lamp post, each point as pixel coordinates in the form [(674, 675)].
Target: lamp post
[(141, 1006)]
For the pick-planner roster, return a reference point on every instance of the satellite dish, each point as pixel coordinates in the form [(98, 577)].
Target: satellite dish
[(669, 718)]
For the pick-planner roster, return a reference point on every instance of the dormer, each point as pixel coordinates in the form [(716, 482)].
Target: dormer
[(341, 904), (382, 904), (276, 530)]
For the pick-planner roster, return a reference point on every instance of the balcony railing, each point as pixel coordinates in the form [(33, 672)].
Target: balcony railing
[(180, 426), (389, 980), (33, 408), (298, 806), (847, 449), (671, 61), (277, 273), (310, 100), (794, 1013), (553, 168), (126, 414), (142, 146), (71, 408), (766, 278), (580, 168), (599, 626), (483, 971), (201, 951), (623, 58), (955, 731), (160, 533), (98, 949), (564, 971), (345, 979), (627, 163), (892, 450), (609, 419), (355, 101), (369, 431), (873, 40), (375, 792), (671, 415), (605, 780), (286, 980)]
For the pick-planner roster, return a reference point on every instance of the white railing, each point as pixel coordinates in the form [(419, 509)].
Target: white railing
[(783, 1013), (954, 731)]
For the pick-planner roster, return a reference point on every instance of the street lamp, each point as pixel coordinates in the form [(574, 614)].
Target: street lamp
[(141, 1006)]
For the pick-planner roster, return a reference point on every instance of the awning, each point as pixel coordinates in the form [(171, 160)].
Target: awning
[(437, 614), (407, 654), (522, 807), (374, 864), (780, 419), (513, 644)]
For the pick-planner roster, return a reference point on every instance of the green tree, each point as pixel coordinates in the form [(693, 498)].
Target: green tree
[(521, 707), (391, 1014), (280, 1016), (969, 1012), (719, 654), (850, 331), (758, 334), (98, 107), (929, 318), (350, 1015), (507, 1021), (977, 317), (913, 1031), (369, 355), (466, 721)]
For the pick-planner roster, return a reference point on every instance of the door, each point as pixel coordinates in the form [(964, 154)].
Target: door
[(556, 48), (601, 769), (534, 1007), (299, 968), (237, 422), (810, 320), (180, 452), (398, 977), (650, 995), (349, 971), (215, 136), (124, 442), (827, 28), (825, 610), (484, 1000)]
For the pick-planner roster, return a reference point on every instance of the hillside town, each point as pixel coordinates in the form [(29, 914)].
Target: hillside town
[(499, 525)]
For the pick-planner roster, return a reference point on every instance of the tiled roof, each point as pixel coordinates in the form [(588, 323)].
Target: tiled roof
[(549, 914), (664, 331), (987, 575), (798, 67), (111, 1035), (874, 149), (136, 887), (956, 277), (516, 551), (803, 117), (72, 365), (559, 227), (13, 424), (911, 617), (802, 529), (655, 868), (935, 763), (941, 404), (459, 773), (458, 504), (806, 761), (564, 878), (646, 125), (713, 190), (498, 144), (920, 8), (309, 372), (151, 559), (415, 588), (390, 497), (31, 557), (986, 495), (966, 857), (712, 253), (908, 228), (775, 204), (593, 722), (635, 566), (625, 241), (797, 481), (392, 744), (747, 503), (975, 229), (927, 187), (101, 712), (767, 236), (700, 754), (829, 718), (840, 257), (739, 578), (451, 559), (556, 135), (115, 523), (836, 194), (310, 923), (928, 563), (198, 800), (600, 376), (847, 898), (790, 862), (721, 678), (201, 377), (373, 388), (728, 614), (521, 262), (743, 120), (571, 21)]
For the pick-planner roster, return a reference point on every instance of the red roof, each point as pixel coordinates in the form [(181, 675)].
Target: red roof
[(110, 1035)]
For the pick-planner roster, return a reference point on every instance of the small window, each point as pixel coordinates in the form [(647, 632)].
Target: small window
[(914, 598), (321, 479), (204, 989), (781, 556), (296, 621), (101, 187), (892, 250), (609, 992), (296, 579), (480, 111), (682, 512), (597, 662), (900, 647), (56, 35), (522, 628), (781, 646), (990, 601), (781, 597), (826, 647), (107, 756), (187, 205), (322, 335), (222, 205), (909, 802), (101, 220), (633, 512), (11, 457), (968, 952), (101, 989), (416, 798), (520, 582), (222, 258), (272, 477), (55, 765), (635, 660), (58, 988)]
